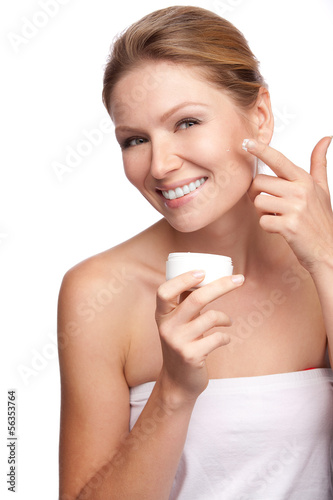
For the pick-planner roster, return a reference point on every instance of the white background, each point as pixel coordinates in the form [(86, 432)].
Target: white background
[(50, 94)]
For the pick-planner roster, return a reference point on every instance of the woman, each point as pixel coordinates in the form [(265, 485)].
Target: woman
[(202, 395)]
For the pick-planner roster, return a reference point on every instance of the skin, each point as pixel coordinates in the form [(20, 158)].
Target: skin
[(121, 324)]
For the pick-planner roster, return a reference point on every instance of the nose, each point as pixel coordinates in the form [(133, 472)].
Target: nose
[(164, 159)]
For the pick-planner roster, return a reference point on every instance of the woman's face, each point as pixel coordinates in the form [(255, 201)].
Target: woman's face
[(181, 141)]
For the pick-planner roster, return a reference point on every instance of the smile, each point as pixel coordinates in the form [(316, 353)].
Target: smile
[(179, 192)]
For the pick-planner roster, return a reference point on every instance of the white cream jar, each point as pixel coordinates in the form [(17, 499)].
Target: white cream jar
[(215, 266)]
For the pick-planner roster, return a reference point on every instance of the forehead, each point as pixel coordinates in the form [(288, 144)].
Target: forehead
[(159, 85)]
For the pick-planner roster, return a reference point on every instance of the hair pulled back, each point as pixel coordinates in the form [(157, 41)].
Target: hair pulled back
[(192, 36)]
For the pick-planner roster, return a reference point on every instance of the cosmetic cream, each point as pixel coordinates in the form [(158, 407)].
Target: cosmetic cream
[(215, 266)]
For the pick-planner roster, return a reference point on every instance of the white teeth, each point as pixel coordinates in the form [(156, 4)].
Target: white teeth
[(179, 192)]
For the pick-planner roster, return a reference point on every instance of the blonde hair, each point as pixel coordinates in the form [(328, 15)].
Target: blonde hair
[(192, 36)]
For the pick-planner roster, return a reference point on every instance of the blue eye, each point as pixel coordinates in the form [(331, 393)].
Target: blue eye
[(133, 141), (187, 123)]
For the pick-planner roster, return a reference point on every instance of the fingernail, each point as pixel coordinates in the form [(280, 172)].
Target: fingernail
[(198, 274), (328, 145), (238, 279), (248, 144)]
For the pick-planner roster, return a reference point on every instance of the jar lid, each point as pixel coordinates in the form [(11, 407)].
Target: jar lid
[(215, 266), (196, 256)]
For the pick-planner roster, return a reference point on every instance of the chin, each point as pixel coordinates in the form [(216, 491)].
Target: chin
[(187, 223)]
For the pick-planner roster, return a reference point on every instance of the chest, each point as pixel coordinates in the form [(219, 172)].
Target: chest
[(276, 328)]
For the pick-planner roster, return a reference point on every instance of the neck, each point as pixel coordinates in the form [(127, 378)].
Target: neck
[(237, 235)]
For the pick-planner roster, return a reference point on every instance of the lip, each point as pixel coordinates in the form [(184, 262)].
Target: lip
[(179, 202)]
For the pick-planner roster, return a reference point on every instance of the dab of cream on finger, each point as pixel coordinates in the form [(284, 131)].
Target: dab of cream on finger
[(248, 144)]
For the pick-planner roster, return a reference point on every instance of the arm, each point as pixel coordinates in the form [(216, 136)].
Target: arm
[(99, 457), (93, 390), (299, 209)]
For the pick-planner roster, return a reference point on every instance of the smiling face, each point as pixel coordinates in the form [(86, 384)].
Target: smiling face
[(181, 140)]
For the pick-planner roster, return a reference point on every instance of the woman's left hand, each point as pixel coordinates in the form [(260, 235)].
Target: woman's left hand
[(299, 207)]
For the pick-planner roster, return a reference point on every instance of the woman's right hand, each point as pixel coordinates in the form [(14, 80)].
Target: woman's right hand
[(182, 327)]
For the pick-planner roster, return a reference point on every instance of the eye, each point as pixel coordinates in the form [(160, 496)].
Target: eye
[(187, 123), (133, 141)]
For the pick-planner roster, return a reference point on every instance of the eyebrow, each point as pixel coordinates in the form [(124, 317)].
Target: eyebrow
[(176, 108)]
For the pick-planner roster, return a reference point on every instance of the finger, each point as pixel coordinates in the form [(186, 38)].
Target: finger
[(168, 293), (271, 185), (318, 168), (271, 223), (201, 297), (280, 165), (271, 204), (204, 322), (202, 347)]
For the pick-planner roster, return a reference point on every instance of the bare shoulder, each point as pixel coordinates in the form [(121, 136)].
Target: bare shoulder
[(101, 297), (93, 286), (108, 281)]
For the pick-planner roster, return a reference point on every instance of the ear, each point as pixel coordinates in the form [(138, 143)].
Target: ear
[(264, 116)]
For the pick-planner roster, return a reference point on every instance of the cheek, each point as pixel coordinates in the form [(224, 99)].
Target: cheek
[(225, 159), (134, 168)]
